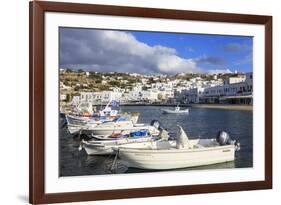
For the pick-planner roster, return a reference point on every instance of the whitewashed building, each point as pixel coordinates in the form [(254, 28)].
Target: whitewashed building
[(134, 95), (236, 90), (191, 95), (100, 97), (150, 95)]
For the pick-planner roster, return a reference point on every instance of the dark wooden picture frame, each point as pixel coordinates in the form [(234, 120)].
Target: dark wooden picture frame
[(37, 96)]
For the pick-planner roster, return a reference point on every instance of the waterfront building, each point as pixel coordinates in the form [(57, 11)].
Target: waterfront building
[(134, 95), (236, 79), (150, 95), (192, 95), (235, 90), (100, 97)]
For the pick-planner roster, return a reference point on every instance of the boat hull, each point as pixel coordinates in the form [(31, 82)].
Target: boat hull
[(110, 147), (75, 124), (177, 158), (101, 125), (109, 130)]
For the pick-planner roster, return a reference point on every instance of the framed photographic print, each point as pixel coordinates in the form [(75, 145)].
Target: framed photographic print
[(138, 102)]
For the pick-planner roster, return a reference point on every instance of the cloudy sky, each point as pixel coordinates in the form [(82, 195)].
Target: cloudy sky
[(153, 52)]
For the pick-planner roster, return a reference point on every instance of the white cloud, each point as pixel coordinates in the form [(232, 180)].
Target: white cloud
[(103, 50)]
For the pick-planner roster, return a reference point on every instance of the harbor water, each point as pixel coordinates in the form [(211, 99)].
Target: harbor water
[(200, 122)]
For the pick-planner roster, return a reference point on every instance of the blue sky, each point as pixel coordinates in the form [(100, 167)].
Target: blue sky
[(231, 52), (153, 52)]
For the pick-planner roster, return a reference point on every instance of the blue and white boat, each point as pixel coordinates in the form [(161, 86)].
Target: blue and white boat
[(122, 125), (85, 117)]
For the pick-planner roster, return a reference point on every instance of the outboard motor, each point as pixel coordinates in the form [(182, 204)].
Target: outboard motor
[(223, 138), (156, 124)]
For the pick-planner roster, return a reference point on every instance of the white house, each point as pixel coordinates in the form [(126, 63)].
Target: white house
[(237, 79), (190, 95), (150, 95)]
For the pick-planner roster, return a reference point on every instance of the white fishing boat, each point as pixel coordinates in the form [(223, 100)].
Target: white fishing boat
[(75, 127), (85, 116), (177, 110), (81, 118), (75, 123), (108, 146), (181, 153), (118, 126)]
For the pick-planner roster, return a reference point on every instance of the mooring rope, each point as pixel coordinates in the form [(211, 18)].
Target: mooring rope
[(114, 161)]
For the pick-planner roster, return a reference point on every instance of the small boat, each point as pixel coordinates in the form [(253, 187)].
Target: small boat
[(78, 118), (75, 127), (181, 153), (106, 147), (177, 110), (114, 136), (84, 115), (74, 123), (138, 140), (118, 126)]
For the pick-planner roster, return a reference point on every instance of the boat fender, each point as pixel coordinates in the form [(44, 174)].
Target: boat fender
[(81, 146), (116, 135)]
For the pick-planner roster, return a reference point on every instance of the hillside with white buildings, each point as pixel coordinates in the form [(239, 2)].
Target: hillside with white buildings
[(99, 88)]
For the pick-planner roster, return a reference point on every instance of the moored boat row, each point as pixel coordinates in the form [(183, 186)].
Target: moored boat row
[(147, 146)]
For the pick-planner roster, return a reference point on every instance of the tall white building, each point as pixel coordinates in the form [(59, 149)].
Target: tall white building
[(233, 90), (150, 95), (191, 95)]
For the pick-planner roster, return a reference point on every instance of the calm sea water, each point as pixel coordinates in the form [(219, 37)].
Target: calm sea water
[(201, 122)]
